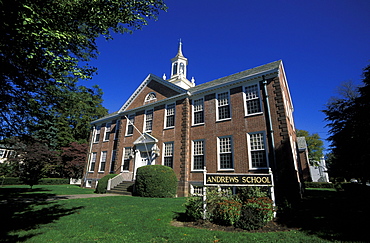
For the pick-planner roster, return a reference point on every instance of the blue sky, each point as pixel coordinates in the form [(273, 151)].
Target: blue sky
[(322, 43)]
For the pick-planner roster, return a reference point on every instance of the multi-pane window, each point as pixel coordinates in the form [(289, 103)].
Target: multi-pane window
[(103, 160), (113, 161), (253, 104), (168, 154), (116, 130), (92, 161), (151, 97), (97, 134), (225, 153), (148, 120), (198, 155), (170, 115), (223, 106), (130, 125), (257, 150), (126, 158), (198, 111), (107, 131)]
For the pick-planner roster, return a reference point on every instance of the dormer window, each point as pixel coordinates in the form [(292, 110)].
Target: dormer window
[(151, 97)]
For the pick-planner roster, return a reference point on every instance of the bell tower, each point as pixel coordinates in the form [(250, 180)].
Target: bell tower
[(179, 70)]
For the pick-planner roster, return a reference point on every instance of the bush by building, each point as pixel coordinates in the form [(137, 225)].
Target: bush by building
[(250, 209), (103, 183), (156, 181)]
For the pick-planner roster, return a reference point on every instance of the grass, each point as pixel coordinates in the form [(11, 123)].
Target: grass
[(135, 219)]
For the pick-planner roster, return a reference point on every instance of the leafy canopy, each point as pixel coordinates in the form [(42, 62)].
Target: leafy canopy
[(46, 44), (348, 119)]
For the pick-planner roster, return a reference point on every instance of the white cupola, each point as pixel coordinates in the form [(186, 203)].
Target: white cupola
[(179, 70)]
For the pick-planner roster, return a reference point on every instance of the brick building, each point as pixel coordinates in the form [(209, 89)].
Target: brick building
[(238, 124)]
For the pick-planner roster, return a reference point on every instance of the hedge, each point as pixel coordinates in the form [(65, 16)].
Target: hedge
[(319, 185), (156, 181), (44, 181), (103, 183)]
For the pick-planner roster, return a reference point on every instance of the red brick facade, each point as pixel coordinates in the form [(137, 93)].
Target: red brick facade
[(273, 125)]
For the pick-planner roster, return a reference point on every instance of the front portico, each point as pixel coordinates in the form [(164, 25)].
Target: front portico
[(145, 151)]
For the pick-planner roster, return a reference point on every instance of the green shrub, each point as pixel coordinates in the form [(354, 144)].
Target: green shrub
[(10, 181), (156, 181), (318, 185), (250, 218), (194, 208), (227, 212), (43, 181), (103, 183), (256, 213), (54, 181)]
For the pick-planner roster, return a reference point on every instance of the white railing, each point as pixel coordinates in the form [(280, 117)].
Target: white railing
[(124, 176), (114, 181)]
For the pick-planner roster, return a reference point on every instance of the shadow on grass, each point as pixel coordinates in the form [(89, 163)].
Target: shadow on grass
[(24, 209), (333, 215)]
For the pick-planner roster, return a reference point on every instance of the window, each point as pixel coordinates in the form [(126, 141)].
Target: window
[(126, 158), (198, 155), (225, 153), (170, 115), (257, 150), (92, 161), (130, 125), (113, 161), (148, 120), (198, 111), (103, 160), (107, 131), (168, 154), (116, 130), (253, 104), (223, 106), (97, 134), (151, 97)]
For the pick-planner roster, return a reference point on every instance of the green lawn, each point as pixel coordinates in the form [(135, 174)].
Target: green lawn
[(135, 219)]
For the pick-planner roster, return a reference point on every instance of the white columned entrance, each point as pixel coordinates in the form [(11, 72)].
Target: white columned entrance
[(146, 151)]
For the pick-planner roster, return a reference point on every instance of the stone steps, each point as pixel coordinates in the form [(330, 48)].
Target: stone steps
[(125, 188)]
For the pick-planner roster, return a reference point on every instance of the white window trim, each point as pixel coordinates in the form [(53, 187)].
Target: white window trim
[(193, 154), (125, 158), (113, 156), (217, 106), (250, 152), (164, 153), (166, 115), (128, 124), (97, 131), (107, 129), (145, 115), (91, 160), (193, 112), (259, 98), (117, 130), (218, 154), (101, 160)]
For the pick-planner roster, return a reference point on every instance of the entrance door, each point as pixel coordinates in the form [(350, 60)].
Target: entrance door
[(146, 158)]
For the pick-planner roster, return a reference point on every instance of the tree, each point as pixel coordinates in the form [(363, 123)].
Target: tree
[(68, 117), (34, 158), (74, 159), (315, 145), (46, 44), (348, 119)]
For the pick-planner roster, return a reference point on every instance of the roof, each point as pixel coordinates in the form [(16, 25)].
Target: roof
[(237, 76), (260, 70)]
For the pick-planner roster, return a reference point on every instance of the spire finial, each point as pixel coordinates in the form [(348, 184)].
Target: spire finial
[(180, 48)]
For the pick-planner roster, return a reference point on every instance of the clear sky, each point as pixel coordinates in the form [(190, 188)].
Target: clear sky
[(321, 42)]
